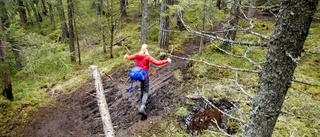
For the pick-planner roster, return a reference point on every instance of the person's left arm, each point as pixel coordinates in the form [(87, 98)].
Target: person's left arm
[(157, 62)]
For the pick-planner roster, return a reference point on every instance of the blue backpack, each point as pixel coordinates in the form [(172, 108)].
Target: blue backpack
[(137, 73)]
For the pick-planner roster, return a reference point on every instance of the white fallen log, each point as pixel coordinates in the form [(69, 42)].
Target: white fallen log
[(103, 107)]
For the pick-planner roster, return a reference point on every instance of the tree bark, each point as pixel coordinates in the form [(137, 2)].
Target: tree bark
[(144, 23), (71, 33), (251, 10), (224, 4), (218, 4), (45, 10), (163, 39), (123, 11), (102, 103), (29, 12), (22, 12), (51, 14), (38, 17), (233, 20), (285, 46), (111, 29), (103, 29), (4, 14), (77, 37), (203, 23), (62, 17), (5, 69), (16, 54)]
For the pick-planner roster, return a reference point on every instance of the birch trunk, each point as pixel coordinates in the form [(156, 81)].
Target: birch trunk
[(291, 29), (103, 107), (144, 23)]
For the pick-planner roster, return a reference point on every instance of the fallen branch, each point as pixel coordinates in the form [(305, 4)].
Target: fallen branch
[(197, 97), (109, 76)]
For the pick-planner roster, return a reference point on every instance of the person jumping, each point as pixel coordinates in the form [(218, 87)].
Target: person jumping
[(142, 59)]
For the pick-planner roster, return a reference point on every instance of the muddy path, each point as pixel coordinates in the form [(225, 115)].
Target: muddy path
[(77, 113)]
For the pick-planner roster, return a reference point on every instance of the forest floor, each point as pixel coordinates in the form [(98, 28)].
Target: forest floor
[(77, 113)]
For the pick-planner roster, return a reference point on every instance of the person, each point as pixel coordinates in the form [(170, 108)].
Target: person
[(142, 59)]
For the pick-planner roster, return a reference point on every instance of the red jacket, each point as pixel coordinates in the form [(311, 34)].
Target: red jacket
[(144, 59)]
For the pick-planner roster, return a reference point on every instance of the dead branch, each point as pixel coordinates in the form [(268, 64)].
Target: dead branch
[(207, 63), (171, 130), (198, 97), (298, 116), (221, 130), (109, 76), (305, 83), (244, 56), (302, 91), (314, 52), (118, 42)]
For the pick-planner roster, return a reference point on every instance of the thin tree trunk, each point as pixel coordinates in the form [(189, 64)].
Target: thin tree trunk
[(285, 47), (224, 4), (16, 53), (251, 10), (163, 39), (62, 17), (144, 23), (22, 12), (102, 104), (77, 38), (203, 23), (123, 11), (112, 28), (103, 29), (218, 4), (233, 20), (38, 17), (71, 33), (51, 14), (5, 69), (45, 10), (29, 13), (4, 14)]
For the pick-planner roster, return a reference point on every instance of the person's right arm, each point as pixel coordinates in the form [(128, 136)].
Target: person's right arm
[(130, 57), (158, 62)]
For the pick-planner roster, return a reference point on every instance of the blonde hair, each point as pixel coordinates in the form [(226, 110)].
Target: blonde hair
[(144, 49)]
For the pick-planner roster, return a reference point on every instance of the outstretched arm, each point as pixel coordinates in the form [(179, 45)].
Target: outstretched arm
[(130, 57), (158, 62)]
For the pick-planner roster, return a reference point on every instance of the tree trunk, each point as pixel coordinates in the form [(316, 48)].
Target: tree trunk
[(4, 14), (144, 23), (38, 17), (123, 11), (51, 14), (102, 103), (224, 4), (112, 28), (77, 38), (45, 10), (16, 53), (218, 4), (22, 12), (103, 29), (233, 20), (5, 69), (203, 23), (285, 47), (62, 17), (71, 34), (29, 13), (251, 10), (163, 39)]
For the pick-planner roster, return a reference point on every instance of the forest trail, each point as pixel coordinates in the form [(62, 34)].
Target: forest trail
[(77, 113)]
